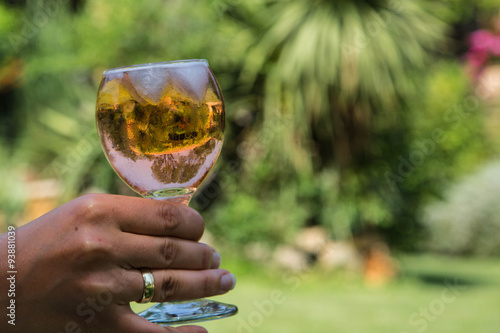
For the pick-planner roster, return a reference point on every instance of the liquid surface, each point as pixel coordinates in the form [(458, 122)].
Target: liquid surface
[(161, 128)]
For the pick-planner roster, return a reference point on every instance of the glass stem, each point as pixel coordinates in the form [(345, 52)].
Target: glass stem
[(183, 200), (177, 195)]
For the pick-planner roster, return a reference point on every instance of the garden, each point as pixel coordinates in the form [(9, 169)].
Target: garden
[(357, 185)]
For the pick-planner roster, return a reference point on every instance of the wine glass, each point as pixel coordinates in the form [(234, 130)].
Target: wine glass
[(161, 126)]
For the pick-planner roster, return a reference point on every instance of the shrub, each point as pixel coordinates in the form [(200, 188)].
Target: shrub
[(467, 220)]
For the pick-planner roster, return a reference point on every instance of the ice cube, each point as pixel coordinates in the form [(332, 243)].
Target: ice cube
[(129, 86), (150, 82), (113, 92), (192, 77)]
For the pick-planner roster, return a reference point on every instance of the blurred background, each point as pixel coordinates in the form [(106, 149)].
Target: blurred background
[(359, 180)]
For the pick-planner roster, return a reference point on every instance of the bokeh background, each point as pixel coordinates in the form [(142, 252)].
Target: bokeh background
[(359, 181)]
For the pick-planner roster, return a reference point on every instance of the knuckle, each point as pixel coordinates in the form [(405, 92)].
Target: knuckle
[(206, 257), (114, 284), (84, 285), (93, 284), (199, 224), (169, 215), (169, 251), (91, 245), (90, 208), (169, 287), (207, 285)]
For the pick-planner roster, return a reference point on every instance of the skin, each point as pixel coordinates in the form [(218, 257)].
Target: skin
[(78, 265)]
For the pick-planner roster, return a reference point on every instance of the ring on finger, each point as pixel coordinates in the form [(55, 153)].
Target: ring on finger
[(149, 286)]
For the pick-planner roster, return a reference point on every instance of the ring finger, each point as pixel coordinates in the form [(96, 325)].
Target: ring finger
[(178, 285)]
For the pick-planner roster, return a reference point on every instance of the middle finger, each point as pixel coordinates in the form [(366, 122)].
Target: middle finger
[(136, 251)]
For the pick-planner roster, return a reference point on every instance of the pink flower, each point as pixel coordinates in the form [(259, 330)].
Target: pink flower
[(480, 40), (483, 45)]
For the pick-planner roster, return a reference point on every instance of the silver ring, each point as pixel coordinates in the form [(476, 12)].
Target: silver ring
[(149, 286)]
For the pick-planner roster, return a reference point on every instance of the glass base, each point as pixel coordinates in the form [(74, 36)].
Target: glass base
[(174, 313)]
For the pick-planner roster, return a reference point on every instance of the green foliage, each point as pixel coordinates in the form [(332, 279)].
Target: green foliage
[(466, 10), (324, 100), (445, 140), (247, 218), (12, 191), (448, 128), (337, 79), (8, 23)]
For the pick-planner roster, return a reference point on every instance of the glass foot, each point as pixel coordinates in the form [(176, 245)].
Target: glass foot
[(174, 313)]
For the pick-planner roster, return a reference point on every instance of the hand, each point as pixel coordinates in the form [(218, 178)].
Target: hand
[(78, 265)]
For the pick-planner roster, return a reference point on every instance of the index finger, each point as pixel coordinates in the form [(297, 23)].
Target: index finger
[(147, 216)]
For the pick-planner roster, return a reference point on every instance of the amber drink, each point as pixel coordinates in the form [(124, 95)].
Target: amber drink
[(161, 127)]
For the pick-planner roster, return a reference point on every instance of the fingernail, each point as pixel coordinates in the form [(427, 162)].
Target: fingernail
[(227, 282), (216, 260)]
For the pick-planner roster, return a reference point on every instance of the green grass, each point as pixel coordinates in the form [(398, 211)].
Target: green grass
[(419, 301)]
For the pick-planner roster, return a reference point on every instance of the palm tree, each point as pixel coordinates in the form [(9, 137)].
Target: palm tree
[(337, 77), (335, 65)]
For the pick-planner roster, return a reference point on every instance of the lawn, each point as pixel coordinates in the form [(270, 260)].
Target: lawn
[(433, 294)]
